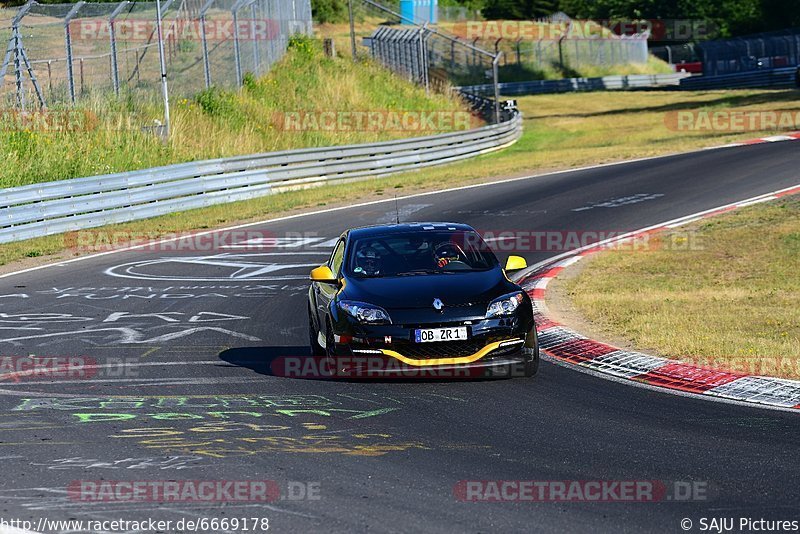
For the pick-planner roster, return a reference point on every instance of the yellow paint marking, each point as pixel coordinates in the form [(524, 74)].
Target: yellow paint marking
[(315, 426), (444, 361), (149, 352)]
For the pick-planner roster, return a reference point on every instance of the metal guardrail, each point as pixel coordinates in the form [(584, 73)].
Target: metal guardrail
[(568, 85), (783, 77), (69, 205)]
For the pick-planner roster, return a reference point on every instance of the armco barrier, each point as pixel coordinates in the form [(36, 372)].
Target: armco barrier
[(776, 78), (568, 85), (68, 205)]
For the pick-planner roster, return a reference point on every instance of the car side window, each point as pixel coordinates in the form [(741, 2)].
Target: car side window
[(337, 257)]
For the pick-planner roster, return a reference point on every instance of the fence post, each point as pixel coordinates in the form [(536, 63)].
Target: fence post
[(352, 28), (68, 44), (204, 42), (163, 65), (237, 58), (83, 87), (496, 83), (113, 36), (256, 51), (422, 63), (18, 69)]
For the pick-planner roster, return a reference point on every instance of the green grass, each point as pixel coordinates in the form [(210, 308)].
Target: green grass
[(561, 131), (217, 123), (734, 296), (554, 71)]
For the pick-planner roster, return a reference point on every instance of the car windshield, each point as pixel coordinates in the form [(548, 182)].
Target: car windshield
[(419, 253)]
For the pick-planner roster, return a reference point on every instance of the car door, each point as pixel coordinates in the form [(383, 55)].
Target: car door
[(325, 293)]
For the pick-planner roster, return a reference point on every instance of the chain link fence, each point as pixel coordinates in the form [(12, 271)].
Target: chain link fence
[(426, 55), (59, 54), (762, 51)]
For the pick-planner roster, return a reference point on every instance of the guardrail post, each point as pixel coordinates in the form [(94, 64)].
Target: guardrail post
[(68, 45)]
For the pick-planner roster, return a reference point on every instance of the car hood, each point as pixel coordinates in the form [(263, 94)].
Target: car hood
[(419, 291)]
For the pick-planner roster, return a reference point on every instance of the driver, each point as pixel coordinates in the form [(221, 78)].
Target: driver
[(368, 262), (446, 253)]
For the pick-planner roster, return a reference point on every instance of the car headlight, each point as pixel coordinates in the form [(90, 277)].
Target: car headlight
[(504, 306), (365, 313)]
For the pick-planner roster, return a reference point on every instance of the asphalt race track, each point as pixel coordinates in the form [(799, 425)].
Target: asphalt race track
[(182, 387)]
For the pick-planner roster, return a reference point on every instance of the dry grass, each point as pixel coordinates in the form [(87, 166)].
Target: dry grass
[(217, 123), (732, 302), (561, 131)]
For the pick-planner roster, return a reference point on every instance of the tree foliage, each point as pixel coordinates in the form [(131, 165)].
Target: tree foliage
[(325, 11)]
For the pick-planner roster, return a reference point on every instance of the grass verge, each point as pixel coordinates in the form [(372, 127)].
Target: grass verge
[(561, 131), (218, 123), (734, 296)]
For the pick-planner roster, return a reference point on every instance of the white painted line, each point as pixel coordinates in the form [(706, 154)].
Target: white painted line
[(671, 223), (683, 223), (757, 201), (359, 205), (776, 138)]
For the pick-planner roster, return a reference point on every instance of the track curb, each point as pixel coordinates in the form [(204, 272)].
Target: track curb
[(570, 347)]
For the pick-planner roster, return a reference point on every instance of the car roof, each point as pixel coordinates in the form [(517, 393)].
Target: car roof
[(402, 228)]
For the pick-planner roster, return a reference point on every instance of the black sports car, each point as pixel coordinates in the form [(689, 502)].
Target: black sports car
[(422, 296)]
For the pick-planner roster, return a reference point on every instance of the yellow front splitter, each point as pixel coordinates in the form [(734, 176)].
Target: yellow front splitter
[(448, 361)]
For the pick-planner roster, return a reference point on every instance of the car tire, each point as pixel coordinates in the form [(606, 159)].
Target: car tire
[(531, 352), (313, 335)]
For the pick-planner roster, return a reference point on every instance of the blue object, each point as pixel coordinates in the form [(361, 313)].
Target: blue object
[(419, 11)]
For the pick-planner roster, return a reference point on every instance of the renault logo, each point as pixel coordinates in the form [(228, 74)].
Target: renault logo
[(438, 304)]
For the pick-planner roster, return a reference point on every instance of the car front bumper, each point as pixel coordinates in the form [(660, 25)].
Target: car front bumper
[(490, 343)]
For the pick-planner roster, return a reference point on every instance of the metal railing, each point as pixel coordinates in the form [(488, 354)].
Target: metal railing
[(69, 205), (59, 53), (632, 81), (750, 53), (769, 78)]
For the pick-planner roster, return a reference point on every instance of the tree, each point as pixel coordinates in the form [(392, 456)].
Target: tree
[(327, 11), (518, 9)]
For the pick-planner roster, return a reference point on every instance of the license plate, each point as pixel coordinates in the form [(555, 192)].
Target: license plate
[(427, 335)]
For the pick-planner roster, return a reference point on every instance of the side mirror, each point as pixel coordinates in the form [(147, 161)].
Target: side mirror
[(323, 274), (515, 263)]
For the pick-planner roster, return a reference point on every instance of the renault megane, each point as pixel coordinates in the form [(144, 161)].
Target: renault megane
[(421, 296)]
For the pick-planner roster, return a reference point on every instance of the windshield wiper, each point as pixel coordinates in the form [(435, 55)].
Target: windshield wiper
[(423, 271)]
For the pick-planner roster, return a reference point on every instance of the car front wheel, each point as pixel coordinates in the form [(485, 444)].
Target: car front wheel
[(531, 352), (313, 337)]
